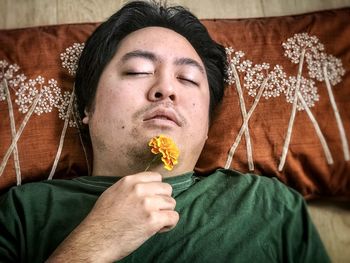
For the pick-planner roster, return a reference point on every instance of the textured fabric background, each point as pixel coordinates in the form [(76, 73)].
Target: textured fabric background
[(331, 218), (24, 13), (37, 52), (306, 167)]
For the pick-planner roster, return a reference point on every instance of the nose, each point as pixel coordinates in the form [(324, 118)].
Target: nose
[(162, 89)]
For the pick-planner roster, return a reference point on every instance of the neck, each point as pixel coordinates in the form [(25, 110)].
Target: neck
[(109, 168), (127, 162)]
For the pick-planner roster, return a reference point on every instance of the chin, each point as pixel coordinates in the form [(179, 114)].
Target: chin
[(160, 131)]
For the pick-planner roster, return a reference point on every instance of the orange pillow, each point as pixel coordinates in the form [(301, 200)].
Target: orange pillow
[(260, 65), (275, 62), (33, 61)]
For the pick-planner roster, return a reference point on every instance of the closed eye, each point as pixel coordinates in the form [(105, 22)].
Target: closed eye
[(188, 81), (132, 73)]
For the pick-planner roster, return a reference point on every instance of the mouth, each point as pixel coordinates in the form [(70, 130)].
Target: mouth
[(163, 116)]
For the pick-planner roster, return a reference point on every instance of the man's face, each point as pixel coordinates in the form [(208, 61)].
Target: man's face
[(155, 84)]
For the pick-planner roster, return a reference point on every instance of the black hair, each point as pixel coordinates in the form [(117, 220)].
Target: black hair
[(103, 43)]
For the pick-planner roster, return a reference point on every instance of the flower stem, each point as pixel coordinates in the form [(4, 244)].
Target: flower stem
[(324, 144), (63, 134), (157, 157), (293, 113), (344, 141), (13, 132), (244, 115), (245, 124), (18, 134)]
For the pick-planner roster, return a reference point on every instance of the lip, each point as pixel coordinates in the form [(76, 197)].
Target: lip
[(164, 115)]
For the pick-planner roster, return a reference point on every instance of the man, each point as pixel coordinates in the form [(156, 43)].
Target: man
[(152, 70)]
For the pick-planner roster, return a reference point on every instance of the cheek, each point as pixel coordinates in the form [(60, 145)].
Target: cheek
[(107, 108), (200, 113), (112, 99)]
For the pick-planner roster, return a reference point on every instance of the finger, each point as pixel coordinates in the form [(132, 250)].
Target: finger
[(172, 218), (152, 188), (143, 177), (148, 176), (158, 202), (169, 203), (166, 229)]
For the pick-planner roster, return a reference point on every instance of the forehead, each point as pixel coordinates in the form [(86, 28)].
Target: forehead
[(164, 42)]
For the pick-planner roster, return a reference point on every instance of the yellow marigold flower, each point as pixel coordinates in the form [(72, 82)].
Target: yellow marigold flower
[(168, 149)]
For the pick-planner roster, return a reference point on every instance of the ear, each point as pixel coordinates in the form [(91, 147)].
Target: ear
[(86, 119)]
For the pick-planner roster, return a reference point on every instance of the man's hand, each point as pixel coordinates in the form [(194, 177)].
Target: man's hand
[(123, 218)]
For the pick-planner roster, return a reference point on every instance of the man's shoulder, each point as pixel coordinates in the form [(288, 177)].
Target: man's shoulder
[(258, 186), (94, 185), (235, 177), (27, 190)]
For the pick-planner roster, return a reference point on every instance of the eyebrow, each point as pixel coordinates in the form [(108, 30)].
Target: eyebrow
[(190, 62), (139, 54), (153, 57)]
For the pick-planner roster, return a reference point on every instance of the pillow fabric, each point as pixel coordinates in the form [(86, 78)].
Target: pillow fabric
[(40, 61), (278, 67), (285, 112)]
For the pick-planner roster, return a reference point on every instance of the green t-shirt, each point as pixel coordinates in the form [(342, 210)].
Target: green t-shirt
[(225, 217)]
